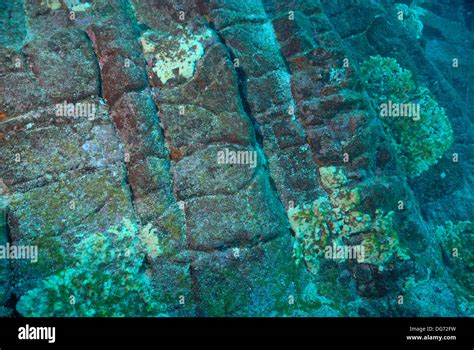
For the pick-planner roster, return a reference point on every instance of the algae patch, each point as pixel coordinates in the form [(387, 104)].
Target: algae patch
[(73, 5), (173, 55), (333, 219)]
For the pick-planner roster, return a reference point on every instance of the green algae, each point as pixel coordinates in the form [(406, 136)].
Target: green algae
[(333, 219), (106, 280), (420, 143)]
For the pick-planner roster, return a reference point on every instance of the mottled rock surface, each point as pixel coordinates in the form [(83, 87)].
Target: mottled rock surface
[(172, 83)]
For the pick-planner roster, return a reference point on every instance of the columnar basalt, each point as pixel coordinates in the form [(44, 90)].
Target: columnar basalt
[(240, 137)]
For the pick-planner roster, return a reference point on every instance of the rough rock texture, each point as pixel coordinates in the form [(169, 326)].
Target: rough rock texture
[(175, 82)]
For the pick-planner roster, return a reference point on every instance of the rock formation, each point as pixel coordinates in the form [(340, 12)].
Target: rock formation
[(152, 90)]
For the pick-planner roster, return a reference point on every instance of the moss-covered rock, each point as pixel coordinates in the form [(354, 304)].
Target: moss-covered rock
[(106, 279), (410, 16), (421, 139), (333, 220), (56, 216), (457, 243)]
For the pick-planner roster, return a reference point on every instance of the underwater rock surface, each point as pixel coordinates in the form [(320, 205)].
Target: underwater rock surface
[(225, 147)]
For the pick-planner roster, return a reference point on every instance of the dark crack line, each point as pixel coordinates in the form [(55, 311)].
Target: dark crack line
[(242, 87), (117, 134), (297, 104), (99, 70), (192, 270), (241, 81)]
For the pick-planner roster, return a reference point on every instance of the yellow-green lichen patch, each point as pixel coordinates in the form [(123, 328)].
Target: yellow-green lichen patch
[(73, 5), (423, 138), (151, 242), (106, 279), (53, 216), (173, 223), (381, 244), (69, 202), (52, 4), (332, 219), (174, 55), (76, 6)]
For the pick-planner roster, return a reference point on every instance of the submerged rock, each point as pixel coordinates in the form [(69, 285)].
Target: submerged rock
[(235, 146)]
